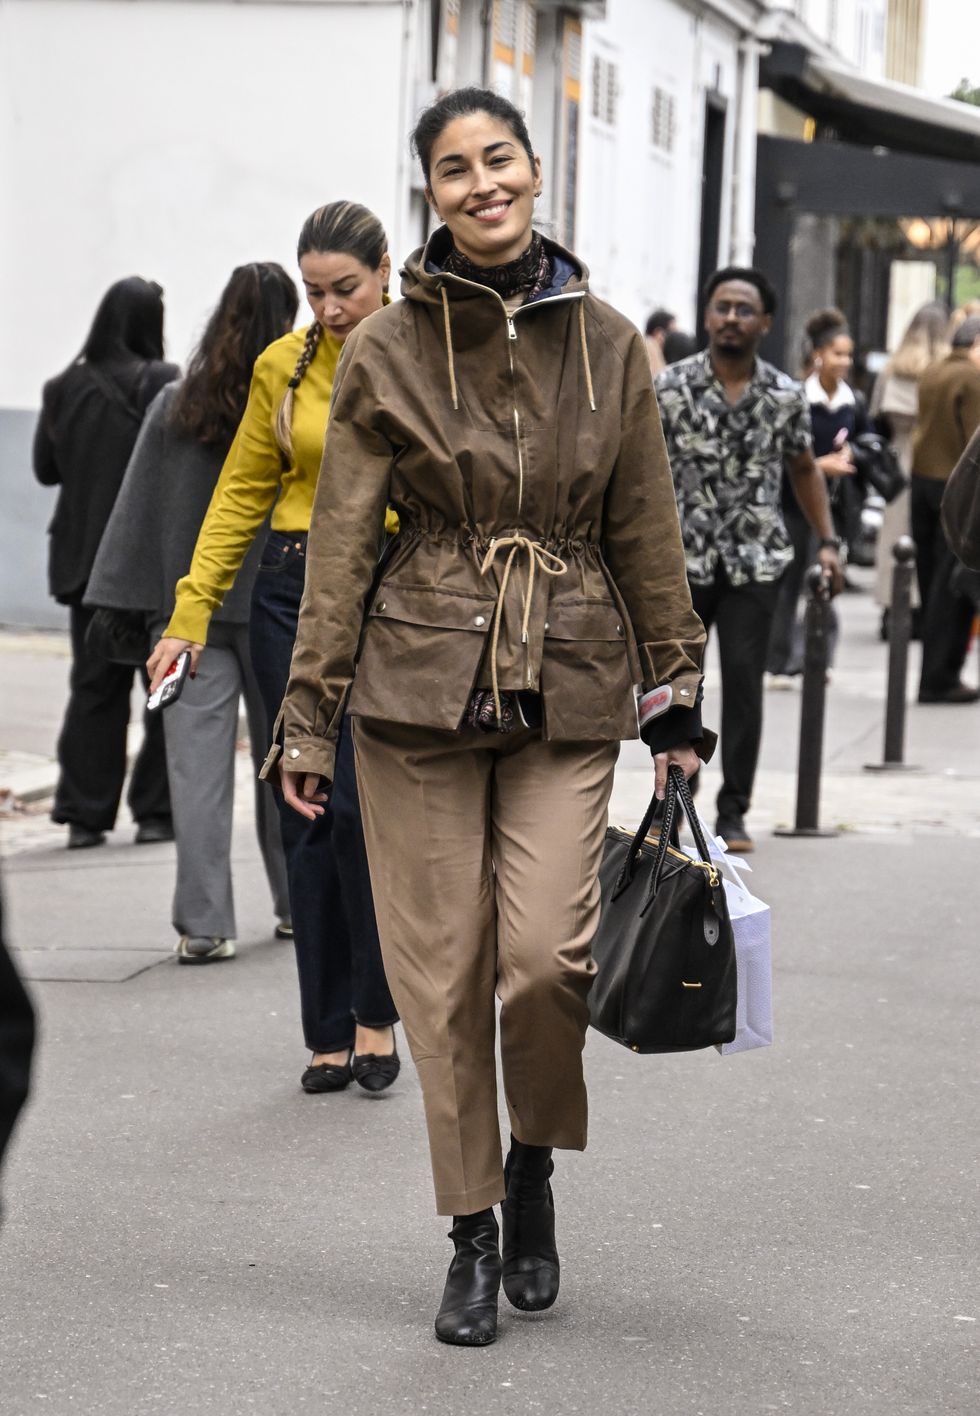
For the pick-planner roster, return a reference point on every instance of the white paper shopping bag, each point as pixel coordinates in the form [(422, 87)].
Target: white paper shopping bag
[(752, 927)]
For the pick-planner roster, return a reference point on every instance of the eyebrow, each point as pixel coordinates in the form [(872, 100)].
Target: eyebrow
[(491, 147)]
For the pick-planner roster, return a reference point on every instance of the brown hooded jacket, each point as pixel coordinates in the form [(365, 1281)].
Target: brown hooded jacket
[(540, 546)]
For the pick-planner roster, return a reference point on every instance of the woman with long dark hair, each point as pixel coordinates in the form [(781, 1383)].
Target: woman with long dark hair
[(188, 434), (347, 1012), (90, 418), (509, 416)]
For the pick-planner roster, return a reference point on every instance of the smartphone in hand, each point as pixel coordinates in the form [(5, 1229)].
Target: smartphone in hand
[(173, 683)]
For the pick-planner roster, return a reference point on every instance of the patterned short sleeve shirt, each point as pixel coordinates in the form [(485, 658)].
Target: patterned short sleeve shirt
[(727, 461)]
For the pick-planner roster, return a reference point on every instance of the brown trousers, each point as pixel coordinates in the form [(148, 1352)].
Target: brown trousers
[(484, 853)]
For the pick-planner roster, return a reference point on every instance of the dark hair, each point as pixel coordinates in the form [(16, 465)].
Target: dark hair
[(339, 226), (460, 103), (128, 323), (660, 319), (824, 326), (257, 306), (968, 333), (678, 346), (749, 276)]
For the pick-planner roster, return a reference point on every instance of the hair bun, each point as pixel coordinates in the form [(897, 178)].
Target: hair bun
[(825, 325)]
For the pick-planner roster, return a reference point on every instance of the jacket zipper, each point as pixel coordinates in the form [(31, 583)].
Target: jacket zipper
[(511, 339)]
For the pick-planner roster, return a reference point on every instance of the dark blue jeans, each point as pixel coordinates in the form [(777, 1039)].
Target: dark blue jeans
[(341, 976)]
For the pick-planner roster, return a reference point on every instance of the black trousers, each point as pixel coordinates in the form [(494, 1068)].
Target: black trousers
[(946, 617), (743, 617), (92, 745), (338, 956)]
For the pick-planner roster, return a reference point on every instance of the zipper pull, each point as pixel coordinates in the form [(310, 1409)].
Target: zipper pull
[(511, 331)]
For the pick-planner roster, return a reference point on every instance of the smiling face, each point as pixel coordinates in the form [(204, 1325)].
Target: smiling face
[(735, 320), (341, 290), (482, 184)]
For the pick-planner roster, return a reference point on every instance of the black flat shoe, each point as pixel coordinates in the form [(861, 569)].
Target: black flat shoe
[(326, 1077), (80, 838), (375, 1072), (154, 832), (531, 1270), (467, 1316)]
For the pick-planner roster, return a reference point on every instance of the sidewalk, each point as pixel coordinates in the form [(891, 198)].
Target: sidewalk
[(187, 1234)]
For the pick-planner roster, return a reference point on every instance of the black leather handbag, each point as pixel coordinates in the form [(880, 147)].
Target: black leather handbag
[(877, 461), (664, 948)]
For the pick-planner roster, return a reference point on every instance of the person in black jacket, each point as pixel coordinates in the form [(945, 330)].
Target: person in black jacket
[(90, 417), (16, 1042)]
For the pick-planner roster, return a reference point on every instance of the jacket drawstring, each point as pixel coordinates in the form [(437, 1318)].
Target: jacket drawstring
[(539, 558), (449, 346), (585, 353)]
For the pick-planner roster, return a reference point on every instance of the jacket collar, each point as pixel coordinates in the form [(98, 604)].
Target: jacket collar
[(423, 276)]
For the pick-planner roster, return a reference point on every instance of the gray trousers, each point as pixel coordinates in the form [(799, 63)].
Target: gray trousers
[(201, 729)]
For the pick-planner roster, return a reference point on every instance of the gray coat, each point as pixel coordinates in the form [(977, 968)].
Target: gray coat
[(151, 534)]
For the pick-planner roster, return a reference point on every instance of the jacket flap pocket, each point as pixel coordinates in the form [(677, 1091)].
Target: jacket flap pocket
[(584, 619), (441, 609)]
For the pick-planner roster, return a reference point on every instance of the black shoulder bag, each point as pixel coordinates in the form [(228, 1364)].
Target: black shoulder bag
[(664, 948)]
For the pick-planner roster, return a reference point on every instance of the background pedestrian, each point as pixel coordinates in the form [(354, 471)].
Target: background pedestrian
[(147, 547), (510, 416), (895, 409), (949, 414), (660, 324), (90, 417), (733, 423), (346, 1008), (837, 416)]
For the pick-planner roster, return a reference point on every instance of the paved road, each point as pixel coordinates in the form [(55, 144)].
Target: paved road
[(790, 1230)]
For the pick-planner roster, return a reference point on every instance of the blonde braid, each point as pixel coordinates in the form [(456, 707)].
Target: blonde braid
[(284, 417)]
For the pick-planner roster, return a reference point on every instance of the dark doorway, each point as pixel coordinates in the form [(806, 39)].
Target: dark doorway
[(712, 173)]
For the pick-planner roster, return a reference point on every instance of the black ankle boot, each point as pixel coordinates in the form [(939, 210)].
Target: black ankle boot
[(467, 1315), (530, 1258)]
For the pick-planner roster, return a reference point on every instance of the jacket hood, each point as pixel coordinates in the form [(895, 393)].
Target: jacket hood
[(422, 276)]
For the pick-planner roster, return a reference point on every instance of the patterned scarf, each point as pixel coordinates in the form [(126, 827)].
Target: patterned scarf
[(531, 272)]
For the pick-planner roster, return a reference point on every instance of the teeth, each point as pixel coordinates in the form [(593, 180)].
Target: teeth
[(492, 211)]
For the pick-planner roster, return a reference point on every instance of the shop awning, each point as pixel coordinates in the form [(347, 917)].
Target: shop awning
[(872, 112)]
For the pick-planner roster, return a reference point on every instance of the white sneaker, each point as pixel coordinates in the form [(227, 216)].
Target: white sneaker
[(202, 949), (782, 683)]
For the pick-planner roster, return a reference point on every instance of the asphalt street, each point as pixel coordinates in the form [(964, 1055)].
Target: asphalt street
[(788, 1230)]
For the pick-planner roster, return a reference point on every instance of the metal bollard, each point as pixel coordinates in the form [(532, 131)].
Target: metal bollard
[(816, 627), (899, 633)]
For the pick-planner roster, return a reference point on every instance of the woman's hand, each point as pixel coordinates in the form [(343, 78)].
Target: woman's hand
[(163, 656), (303, 792), (836, 464), (685, 758)]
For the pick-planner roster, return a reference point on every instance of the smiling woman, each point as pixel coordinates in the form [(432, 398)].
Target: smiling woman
[(538, 576)]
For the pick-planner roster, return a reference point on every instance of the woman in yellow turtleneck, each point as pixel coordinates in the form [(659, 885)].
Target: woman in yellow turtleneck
[(273, 464)]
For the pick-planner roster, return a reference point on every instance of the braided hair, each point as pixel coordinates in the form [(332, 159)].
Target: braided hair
[(344, 227), (284, 417)]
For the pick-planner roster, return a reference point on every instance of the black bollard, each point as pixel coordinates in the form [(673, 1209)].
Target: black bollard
[(899, 634), (816, 625)]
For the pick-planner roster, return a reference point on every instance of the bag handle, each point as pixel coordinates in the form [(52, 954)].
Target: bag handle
[(677, 790), (629, 864)]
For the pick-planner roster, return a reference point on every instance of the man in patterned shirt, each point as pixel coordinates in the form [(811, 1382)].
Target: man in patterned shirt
[(732, 424)]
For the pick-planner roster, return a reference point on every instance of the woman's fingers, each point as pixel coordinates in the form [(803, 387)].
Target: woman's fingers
[(164, 654), (304, 793), (683, 757)]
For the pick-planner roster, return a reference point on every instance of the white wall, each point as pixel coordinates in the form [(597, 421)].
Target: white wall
[(174, 139), (639, 208)]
